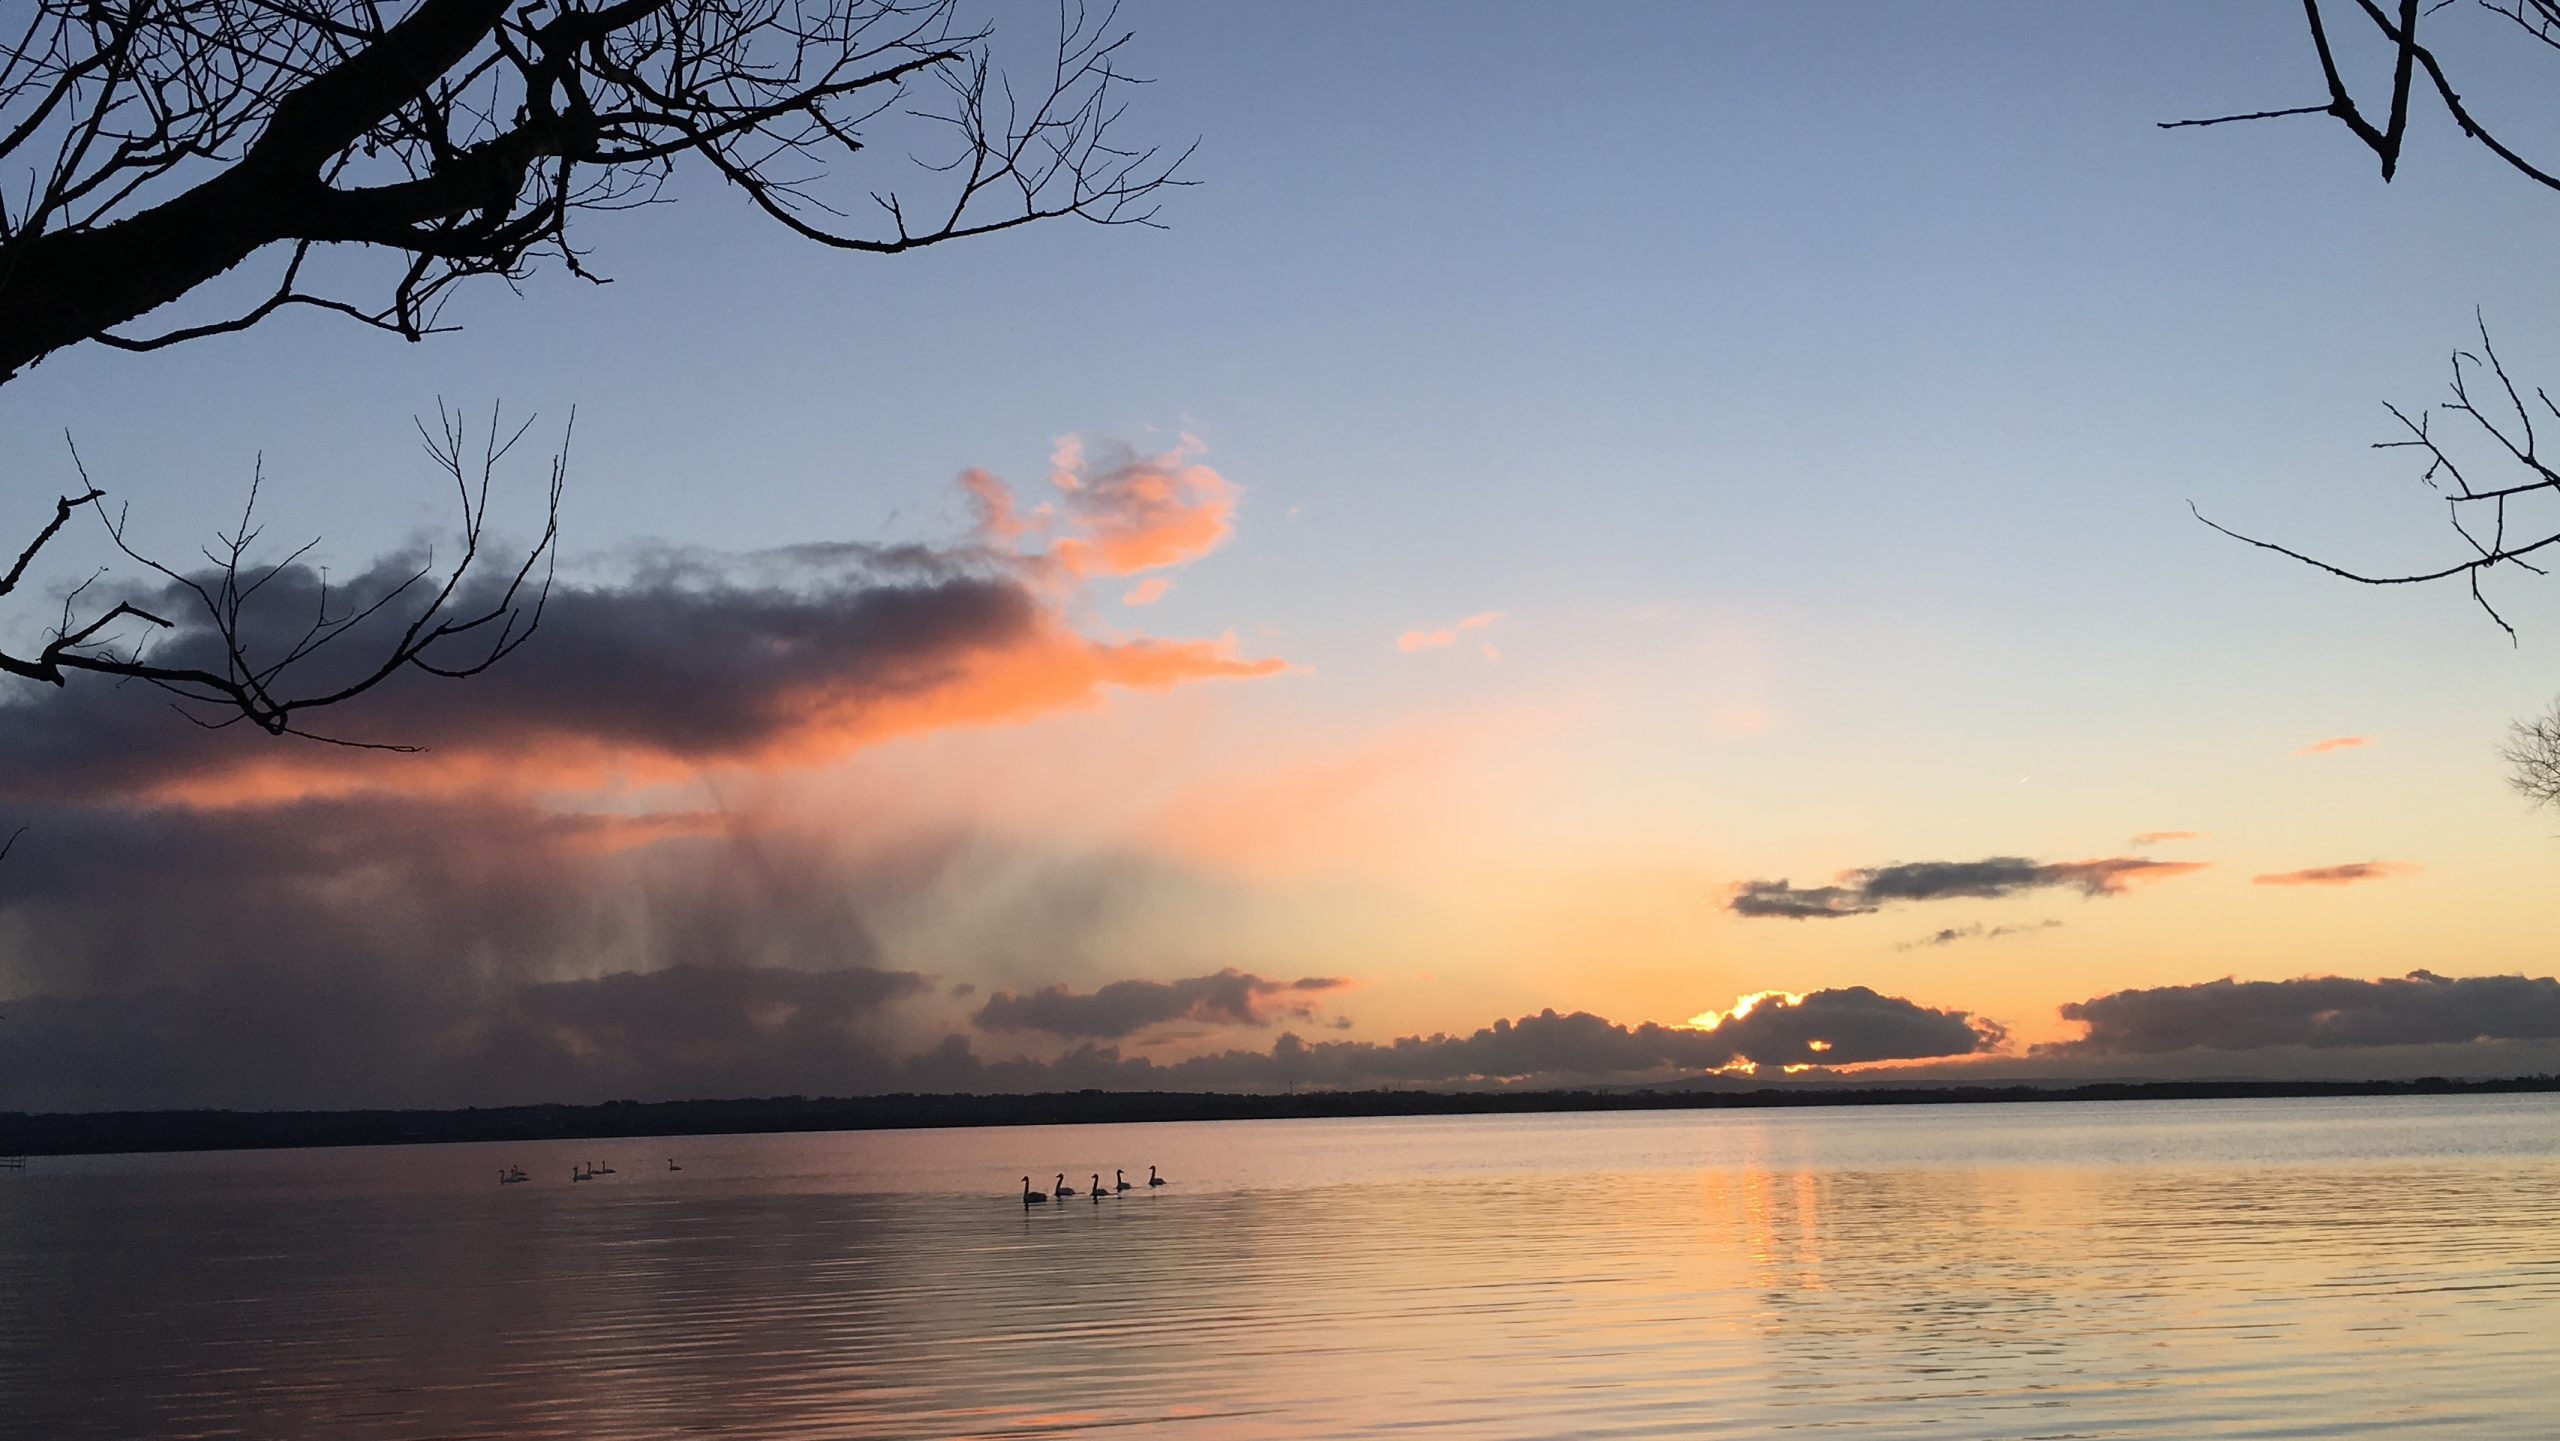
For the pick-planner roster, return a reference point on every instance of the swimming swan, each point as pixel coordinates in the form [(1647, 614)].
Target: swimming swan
[(1097, 1188), (1152, 1178), (1030, 1197), (1064, 1190), (1120, 1180)]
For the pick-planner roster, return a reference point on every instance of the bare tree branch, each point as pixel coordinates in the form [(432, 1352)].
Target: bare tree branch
[(153, 146), (2535, 22), (2485, 518), (2532, 754), (241, 661)]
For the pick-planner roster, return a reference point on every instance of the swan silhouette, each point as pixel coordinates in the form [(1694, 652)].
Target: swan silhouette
[(1152, 1178), (671, 1164), (1120, 1181), (1064, 1190), (1097, 1188), (1030, 1197)]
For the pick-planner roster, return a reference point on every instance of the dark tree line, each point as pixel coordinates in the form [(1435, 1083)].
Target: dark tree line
[(172, 170)]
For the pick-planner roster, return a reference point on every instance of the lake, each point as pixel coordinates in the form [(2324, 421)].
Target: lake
[(2287, 1268)]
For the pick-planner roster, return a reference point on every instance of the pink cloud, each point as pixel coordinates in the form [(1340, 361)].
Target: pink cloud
[(2346, 875), (1147, 592), (2334, 743), (1117, 512), (1434, 639)]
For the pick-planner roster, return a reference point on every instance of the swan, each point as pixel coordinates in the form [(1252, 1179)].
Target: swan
[(1030, 1197), (1120, 1181), (1097, 1188), (577, 1174), (1152, 1178), (1064, 1190), (671, 1164)]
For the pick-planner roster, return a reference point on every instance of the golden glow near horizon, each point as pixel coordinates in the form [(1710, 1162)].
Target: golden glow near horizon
[(1709, 1020)]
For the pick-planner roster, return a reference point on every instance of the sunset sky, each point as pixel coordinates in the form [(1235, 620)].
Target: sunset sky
[(1605, 513)]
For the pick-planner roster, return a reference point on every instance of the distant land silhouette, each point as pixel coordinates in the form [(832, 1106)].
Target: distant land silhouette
[(90, 1133)]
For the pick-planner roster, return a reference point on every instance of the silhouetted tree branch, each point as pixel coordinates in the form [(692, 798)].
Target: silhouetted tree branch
[(242, 662), (2536, 27), (2532, 754), (148, 147), (2498, 522)]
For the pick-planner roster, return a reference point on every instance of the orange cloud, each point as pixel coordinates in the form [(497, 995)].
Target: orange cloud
[(1421, 639), (2334, 743), (991, 500), (1147, 592), (2159, 838), (2116, 875), (2346, 875), (1118, 512)]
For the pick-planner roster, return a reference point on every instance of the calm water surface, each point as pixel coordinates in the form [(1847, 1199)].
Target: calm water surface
[(2211, 1269)]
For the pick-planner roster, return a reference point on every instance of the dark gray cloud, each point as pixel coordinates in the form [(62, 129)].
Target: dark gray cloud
[(2316, 1012), (689, 656), (374, 950), (694, 671), (1862, 892), (1784, 900), (1227, 998), (376, 1038)]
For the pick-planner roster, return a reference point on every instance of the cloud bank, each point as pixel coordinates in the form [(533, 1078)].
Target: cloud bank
[(1230, 997), (2317, 1012)]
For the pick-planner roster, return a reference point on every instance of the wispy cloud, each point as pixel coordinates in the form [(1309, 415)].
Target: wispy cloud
[(1861, 892), (2334, 743), (1975, 932), (1147, 592), (2163, 838), (1429, 638), (2345, 875)]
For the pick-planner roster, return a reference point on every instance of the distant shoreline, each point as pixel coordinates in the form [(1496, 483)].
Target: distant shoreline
[(111, 1132)]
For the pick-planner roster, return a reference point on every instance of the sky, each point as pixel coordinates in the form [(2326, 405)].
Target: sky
[(1575, 521)]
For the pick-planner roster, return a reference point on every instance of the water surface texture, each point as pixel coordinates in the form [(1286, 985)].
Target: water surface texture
[(2300, 1268)]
